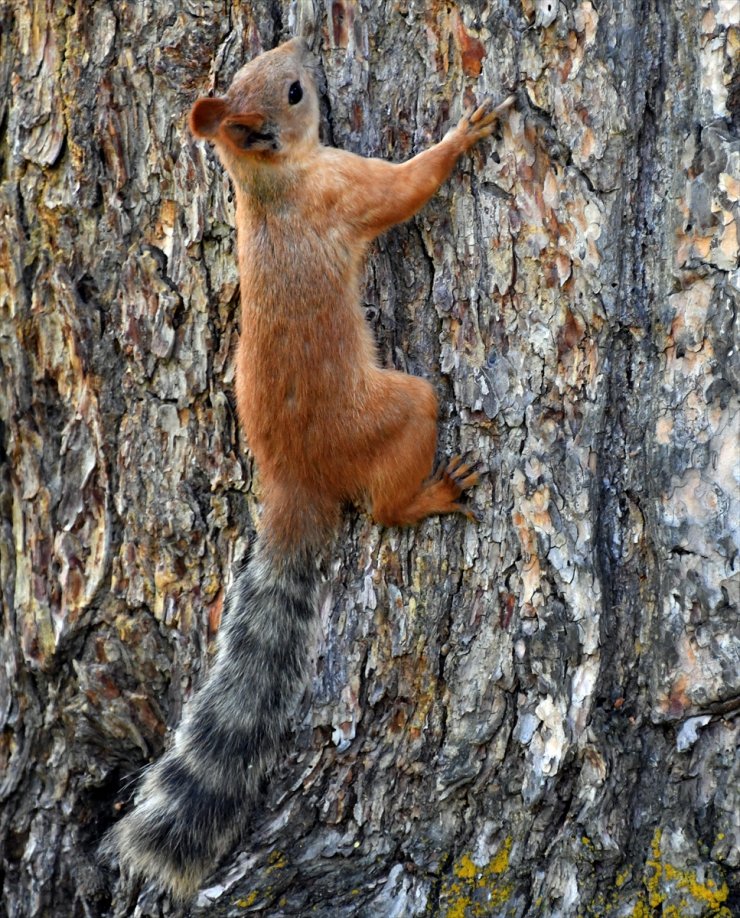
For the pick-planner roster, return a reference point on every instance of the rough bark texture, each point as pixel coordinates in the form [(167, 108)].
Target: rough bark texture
[(531, 716)]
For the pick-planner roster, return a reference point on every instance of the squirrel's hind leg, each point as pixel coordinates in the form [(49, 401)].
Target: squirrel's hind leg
[(400, 488)]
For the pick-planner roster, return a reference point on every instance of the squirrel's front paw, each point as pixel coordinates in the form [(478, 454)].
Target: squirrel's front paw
[(474, 126)]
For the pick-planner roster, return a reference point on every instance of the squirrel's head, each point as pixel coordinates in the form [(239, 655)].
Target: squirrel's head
[(271, 107)]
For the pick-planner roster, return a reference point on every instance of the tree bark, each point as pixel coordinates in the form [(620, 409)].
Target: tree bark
[(529, 716)]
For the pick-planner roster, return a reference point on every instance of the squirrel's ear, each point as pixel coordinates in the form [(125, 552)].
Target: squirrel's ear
[(206, 116), (299, 46)]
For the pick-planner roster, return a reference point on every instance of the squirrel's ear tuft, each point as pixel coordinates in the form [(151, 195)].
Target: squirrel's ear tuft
[(206, 116), (297, 46)]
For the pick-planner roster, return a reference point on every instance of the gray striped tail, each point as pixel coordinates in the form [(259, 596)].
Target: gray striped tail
[(192, 803)]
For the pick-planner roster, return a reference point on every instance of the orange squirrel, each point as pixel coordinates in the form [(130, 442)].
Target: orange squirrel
[(325, 423)]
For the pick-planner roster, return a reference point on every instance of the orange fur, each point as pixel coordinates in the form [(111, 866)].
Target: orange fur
[(324, 421)]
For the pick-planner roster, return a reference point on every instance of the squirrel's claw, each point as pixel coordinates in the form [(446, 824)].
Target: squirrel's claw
[(479, 123), (473, 516)]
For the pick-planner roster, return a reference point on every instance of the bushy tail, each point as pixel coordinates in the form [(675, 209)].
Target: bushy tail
[(191, 804)]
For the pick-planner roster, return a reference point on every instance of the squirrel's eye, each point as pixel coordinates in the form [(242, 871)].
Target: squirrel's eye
[(295, 93)]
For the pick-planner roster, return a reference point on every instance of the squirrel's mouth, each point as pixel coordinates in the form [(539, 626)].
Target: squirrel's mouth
[(247, 138)]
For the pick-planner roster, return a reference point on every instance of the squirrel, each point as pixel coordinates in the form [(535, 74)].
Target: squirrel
[(325, 424)]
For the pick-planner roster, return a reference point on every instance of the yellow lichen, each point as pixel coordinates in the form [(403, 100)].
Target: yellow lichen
[(276, 861), (247, 900), (477, 889), (465, 869), (707, 892), (653, 878), (660, 876), (641, 909), (500, 862), (458, 907)]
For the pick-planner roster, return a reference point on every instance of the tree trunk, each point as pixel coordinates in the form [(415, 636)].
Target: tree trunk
[(529, 716)]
